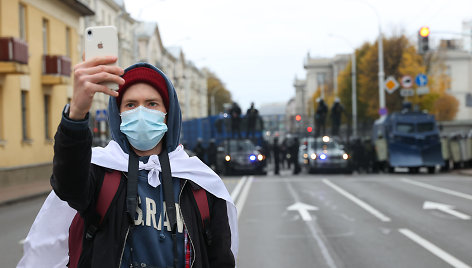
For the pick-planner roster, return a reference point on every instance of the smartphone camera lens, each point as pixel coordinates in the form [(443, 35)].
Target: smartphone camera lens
[(89, 32)]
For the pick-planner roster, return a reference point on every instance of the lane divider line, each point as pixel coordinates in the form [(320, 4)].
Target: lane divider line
[(237, 189), (243, 197), (317, 235), (438, 189), (451, 260), (359, 202)]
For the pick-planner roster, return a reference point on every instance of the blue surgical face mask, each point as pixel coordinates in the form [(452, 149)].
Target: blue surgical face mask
[(143, 127)]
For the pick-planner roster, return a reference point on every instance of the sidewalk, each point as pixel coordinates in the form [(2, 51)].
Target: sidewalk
[(466, 171), (16, 193)]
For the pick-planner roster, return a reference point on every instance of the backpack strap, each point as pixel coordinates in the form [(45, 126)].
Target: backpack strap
[(110, 184), (168, 189), (201, 198), (91, 220), (202, 203)]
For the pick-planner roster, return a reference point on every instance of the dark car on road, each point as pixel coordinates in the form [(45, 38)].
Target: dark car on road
[(240, 156)]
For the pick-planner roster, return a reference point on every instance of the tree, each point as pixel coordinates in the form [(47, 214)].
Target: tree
[(345, 87), (217, 89), (400, 58), (444, 106)]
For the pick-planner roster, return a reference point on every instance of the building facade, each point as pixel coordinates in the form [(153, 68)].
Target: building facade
[(321, 79), (457, 63), (40, 42), (37, 49)]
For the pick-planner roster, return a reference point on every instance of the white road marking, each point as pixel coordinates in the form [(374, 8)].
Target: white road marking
[(314, 233), (302, 208), (359, 202), (446, 209), (438, 189), (243, 197), (453, 261), (237, 189)]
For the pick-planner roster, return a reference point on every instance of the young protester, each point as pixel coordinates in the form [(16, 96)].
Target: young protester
[(153, 218)]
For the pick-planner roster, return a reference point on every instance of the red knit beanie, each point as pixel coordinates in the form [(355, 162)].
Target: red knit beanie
[(144, 75)]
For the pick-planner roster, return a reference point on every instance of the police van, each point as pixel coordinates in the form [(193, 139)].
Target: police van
[(407, 139)]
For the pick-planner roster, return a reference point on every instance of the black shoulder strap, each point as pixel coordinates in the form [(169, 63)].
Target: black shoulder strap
[(132, 186), (168, 189)]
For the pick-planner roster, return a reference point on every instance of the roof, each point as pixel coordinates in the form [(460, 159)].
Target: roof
[(175, 51), (79, 6), (145, 29), (119, 2)]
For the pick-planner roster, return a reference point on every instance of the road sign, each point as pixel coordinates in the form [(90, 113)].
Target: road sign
[(101, 115), (407, 92), (391, 84), (407, 81), (383, 111), (421, 80), (422, 90)]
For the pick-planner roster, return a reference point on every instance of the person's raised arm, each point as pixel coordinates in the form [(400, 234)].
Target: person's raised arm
[(72, 180)]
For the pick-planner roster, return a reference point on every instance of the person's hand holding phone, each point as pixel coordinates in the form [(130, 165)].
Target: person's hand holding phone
[(88, 80)]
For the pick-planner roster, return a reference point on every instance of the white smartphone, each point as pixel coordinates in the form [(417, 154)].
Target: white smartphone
[(102, 41)]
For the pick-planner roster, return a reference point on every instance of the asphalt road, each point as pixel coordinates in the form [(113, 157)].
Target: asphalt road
[(329, 220), (356, 221)]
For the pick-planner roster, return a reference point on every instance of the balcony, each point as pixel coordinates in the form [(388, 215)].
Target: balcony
[(56, 70), (13, 56)]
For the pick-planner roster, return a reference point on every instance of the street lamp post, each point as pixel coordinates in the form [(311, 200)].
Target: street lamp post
[(354, 93), (212, 98), (381, 73)]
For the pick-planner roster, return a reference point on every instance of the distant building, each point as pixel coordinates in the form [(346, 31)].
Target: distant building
[(321, 74), (458, 66), (273, 115), (292, 126)]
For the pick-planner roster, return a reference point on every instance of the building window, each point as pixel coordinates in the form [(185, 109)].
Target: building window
[(47, 115), (68, 52), (321, 79), (22, 17), (45, 37), (24, 114)]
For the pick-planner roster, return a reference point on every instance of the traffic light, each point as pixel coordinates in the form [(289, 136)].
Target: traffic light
[(309, 129), (298, 117), (423, 40)]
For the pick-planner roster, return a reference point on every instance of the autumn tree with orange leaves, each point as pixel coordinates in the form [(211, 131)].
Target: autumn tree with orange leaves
[(400, 59)]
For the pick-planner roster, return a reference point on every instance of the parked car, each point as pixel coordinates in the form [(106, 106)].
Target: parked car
[(240, 156), (324, 154)]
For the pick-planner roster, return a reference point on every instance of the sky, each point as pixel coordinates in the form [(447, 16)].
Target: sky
[(257, 47)]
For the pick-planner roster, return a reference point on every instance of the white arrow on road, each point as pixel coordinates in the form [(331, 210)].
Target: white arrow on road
[(446, 209), (303, 210)]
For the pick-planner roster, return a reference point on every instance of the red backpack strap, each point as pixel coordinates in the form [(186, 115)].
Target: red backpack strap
[(202, 203), (110, 184), (107, 192)]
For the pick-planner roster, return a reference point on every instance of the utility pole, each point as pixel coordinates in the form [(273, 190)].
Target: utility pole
[(354, 93), (382, 105)]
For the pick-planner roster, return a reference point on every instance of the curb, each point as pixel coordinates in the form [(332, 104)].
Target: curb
[(23, 198), (464, 173)]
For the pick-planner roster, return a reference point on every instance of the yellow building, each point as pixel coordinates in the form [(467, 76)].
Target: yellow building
[(39, 45)]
